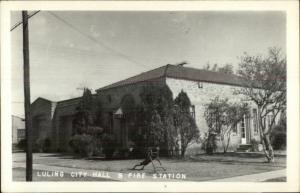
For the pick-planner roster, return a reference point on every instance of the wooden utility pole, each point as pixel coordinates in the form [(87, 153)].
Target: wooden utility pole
[(28, 124)]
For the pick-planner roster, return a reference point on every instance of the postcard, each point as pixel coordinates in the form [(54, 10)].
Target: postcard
[(150, 96)]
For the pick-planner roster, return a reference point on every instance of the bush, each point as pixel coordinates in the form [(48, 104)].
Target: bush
[(278, 137), (108, 145), (254, 145), (42, 145), (47, 145), (22, 144), (210, 143), (279, 141), (83, 144)]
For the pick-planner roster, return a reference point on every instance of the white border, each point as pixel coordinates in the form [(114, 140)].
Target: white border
[(292, 184)]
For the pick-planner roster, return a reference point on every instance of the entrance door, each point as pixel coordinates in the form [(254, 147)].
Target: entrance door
[(243, 131)]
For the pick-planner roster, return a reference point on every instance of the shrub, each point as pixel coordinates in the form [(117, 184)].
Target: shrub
[(278, 137), (210, 143), (108, 145), (83, 144), (47, 145), (42, 145), (22, 144), (254, 145)]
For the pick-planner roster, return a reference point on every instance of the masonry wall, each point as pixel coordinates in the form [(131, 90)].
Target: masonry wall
[(111, 98), (200, 94), (62, 124)]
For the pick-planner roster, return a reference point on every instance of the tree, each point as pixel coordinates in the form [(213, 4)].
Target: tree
[(264, 80), (184, 122), (86, 129), (225, 69), (157, 108), (84, 116), (155, 130), (234, 113), (222, 117)]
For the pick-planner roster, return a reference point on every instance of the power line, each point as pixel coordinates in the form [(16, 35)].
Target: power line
[(96, 41), (19, 23)]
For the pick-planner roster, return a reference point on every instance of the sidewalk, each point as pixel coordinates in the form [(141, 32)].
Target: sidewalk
[(260, 177)]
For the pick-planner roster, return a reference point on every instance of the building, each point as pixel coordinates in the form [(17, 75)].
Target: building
[(18, 129), (54, 119)]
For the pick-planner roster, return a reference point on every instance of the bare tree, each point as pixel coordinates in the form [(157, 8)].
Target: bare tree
[(225, 69), (264, 80), (222, 117)]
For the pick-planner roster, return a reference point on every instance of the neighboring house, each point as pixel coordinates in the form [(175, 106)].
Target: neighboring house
[(18, 129), (54, 119)]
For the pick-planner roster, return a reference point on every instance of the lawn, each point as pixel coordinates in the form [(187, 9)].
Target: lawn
[(197, 168)]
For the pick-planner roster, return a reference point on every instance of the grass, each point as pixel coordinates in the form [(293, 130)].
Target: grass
[(281, 179), (197, 168)]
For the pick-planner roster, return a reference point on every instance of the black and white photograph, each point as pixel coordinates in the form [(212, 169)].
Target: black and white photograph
[(162, 95)]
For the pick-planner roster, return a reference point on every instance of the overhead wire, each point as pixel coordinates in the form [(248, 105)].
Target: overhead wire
[(102, 44), (19, 23)]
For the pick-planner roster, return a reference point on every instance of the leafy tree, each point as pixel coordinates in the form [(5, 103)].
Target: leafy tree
[(264, 80), (222, 117), (184, 122), (86, 134), (84, 116), (157, 108), (155, 130)]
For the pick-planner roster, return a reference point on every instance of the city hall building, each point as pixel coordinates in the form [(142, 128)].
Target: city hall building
[(53, 119)]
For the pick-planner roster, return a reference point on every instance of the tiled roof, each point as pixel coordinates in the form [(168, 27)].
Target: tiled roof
[(145, 76), (179, 72)]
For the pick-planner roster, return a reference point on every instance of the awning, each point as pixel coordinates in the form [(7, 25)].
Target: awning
[(119, 113)]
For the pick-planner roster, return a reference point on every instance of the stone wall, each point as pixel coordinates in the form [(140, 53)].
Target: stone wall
[(200, 94), (111, 98)]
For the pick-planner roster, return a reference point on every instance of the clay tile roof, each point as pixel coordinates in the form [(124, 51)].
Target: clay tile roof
[(179, 72)]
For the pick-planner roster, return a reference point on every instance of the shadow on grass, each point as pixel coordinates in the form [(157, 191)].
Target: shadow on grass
[(280, 179), (232, 158)]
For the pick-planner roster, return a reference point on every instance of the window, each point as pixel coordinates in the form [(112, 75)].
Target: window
[(234, 129), (192, 111), (20, 134), (243, 134), (255, 121)]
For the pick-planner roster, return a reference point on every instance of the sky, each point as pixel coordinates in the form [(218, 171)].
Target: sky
[(74, 49)]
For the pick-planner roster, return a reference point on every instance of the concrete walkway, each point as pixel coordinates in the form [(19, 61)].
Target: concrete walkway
[(137, 175), (260, 177)]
